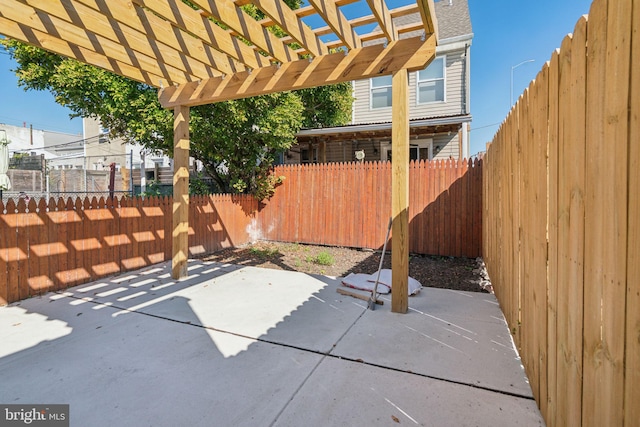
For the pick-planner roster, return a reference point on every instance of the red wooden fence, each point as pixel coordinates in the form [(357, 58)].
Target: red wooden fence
[(46, 247), (53, 246), (349, 204)]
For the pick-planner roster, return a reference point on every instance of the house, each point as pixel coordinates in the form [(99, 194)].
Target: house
[(439, 102)]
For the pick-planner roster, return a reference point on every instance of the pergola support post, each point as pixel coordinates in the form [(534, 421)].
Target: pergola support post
[(400, 192), (180, 233)]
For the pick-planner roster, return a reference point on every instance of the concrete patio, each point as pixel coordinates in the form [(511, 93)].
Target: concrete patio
[(244, 346)]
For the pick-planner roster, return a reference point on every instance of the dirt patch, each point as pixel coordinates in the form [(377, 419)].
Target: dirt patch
[(435, 271)]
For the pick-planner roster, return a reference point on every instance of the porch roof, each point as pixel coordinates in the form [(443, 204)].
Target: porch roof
[(417, 127)]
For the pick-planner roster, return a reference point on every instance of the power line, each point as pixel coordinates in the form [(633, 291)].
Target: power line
[(485, 126), (85, 141)]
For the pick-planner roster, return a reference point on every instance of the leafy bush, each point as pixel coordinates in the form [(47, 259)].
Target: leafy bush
[(324, 258)]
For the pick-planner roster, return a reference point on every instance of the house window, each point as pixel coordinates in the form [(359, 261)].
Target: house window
[(309, 156), (418, 150), (104, 135), (279, 159), (431, 82), (381, 92)]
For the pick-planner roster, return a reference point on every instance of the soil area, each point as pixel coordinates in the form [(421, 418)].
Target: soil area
[(463, 274)]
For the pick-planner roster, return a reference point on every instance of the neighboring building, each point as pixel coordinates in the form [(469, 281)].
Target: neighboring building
[(102, 150), (27, 141), (439, 103), (44, 161)]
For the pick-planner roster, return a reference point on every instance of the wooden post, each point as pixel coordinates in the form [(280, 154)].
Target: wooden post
[(322, 152), (180, 192), (400, 192)]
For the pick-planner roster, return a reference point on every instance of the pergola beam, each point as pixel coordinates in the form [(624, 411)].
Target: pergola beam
[(371, 61)]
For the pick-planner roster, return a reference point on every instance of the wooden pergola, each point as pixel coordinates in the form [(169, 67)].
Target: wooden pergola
[(215, 51)]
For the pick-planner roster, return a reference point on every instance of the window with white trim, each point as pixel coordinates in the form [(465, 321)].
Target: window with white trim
[(421, 150), (431, 82), (418, 150), (381, 92)]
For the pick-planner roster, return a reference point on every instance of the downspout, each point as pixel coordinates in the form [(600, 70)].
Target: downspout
[(467, 82), (467, 101)]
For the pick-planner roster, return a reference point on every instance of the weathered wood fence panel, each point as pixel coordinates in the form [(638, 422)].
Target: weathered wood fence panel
[(562, 223), (53, 246), (349, 204)]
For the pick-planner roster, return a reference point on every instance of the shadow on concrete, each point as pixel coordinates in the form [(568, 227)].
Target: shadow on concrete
[(237, 345)]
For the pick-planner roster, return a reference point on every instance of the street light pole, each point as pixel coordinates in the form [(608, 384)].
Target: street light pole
[(513, 68)]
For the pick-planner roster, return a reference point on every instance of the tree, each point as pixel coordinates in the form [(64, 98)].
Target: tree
[(237, 141)]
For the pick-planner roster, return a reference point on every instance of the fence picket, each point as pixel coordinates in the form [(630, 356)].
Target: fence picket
[(632, 356)]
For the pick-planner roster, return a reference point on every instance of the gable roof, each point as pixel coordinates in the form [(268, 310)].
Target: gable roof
[(453, 19)]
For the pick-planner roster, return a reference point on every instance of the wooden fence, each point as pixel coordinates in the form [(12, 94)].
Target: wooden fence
[(55, 246), (562, 223), (349, 204)]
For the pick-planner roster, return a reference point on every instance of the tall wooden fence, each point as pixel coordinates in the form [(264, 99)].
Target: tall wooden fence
[(53, 246), (349, 204), (562, 223)]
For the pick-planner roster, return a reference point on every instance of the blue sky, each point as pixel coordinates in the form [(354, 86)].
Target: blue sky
[(33, 107), (506, 32)]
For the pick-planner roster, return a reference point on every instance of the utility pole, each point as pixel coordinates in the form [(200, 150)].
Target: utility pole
[(131, 172)]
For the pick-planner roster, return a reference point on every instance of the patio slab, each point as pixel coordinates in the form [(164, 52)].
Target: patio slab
[(136, 370), (356, 394), (233, 345), (451, 335)]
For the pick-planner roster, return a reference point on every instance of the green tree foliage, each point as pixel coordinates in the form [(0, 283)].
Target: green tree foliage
[(237, 141)]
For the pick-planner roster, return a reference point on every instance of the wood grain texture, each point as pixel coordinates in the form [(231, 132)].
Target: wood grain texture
[(400, 193), (371, 61), (632, 348), (180, 235), (606, 211)]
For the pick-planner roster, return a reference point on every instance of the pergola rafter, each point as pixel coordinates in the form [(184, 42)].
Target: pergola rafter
[(245, 26), (337, 22), (380, 11), (209, 51)]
